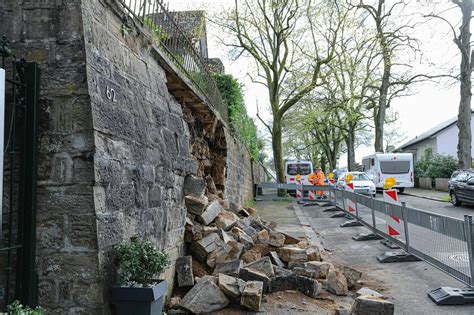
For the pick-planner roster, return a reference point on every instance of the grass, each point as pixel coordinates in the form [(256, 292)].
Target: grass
[(446, 198)]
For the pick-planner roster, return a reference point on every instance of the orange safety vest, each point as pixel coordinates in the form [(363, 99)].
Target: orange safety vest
[(312, 178)]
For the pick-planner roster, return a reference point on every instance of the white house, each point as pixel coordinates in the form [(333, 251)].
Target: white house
[(442, 139)]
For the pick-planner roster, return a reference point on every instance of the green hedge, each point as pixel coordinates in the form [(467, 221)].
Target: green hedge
[(241, 123), (433, 165)]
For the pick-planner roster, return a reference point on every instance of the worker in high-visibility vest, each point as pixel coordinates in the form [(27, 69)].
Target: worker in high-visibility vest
[(319, 181), (312, 178)]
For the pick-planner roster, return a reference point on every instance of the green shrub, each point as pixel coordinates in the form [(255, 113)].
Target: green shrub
[(140, 261), (15, 308), (434, 165)]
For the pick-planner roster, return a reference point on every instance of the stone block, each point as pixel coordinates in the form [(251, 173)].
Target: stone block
[(277, 239), (248, 274), (337, 283), (263, 265), (231, 268), (202, 248), (322, 268), (194, 186), (367, 304), (243, 213), (219, 254), (263, 237), (209, 230), (307, 286), (252, 295), (313, 254), (231, 286), (226, 220), (196, 205), (289, 239), (184, 271), (276, 259), (281, 272), (245, 239), (211, 212), (292, 254), (352, 275), (204, 297), (193, 232), (282, 283), (211, 186), (309, 273)]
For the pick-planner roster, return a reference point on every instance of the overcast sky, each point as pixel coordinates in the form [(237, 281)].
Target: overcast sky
[(430, 105)]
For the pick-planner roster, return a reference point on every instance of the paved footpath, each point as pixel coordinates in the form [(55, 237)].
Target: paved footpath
[(406, 284)]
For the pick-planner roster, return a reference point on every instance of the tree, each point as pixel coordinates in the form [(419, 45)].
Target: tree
[(283, 36), (395, 45), (462, 39)]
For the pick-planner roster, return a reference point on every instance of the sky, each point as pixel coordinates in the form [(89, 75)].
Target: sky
[(429, 105)]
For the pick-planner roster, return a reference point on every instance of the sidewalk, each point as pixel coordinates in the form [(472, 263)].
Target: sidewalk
[(428, 194), (405, 284)]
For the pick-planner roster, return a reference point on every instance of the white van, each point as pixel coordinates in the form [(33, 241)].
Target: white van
[(380, 166), (297, 167)]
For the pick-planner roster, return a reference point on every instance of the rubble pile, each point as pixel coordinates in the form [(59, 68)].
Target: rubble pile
[(237, 257)]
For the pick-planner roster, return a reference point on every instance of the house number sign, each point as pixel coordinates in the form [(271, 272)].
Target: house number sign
[(110, 94)]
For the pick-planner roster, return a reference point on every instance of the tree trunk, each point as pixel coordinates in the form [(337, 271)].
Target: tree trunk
[(350, 143), (277, 149), (322, 161), (464, 114)]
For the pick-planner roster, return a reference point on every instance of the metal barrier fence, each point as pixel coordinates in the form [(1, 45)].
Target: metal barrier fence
[(442, 241), (168, 34)]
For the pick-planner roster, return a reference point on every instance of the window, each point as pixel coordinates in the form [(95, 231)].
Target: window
[(302, 169), (372, 162), (366, 164), (462, 177), (359, 177), (395, 167)]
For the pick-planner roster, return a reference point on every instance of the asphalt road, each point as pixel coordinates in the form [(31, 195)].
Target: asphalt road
[(445, 208)]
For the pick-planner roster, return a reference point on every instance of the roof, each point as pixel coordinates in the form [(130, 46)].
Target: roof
[(192, 23), (431, 133)]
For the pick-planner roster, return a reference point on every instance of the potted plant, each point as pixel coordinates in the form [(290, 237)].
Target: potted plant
[(139, 293)]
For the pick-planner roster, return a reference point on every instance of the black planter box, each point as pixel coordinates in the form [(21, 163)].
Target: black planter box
[(139, 301)]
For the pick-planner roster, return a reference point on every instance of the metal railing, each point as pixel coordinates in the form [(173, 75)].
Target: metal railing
[(442, 241), (169, 37)]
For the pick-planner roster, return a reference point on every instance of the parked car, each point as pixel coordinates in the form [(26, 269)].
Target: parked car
[(362, 183), (461, 187)]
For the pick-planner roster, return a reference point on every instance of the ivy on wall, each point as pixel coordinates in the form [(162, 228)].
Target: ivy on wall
[(241, 123)]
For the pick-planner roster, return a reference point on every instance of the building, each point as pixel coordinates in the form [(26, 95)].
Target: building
[(441, 139)]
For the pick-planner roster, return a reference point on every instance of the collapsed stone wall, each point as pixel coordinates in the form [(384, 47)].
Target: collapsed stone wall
[(114, 148)]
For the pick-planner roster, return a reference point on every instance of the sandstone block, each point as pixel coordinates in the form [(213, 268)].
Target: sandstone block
[(322, 268), (226, 220), (209, 230), (289, 239), (218, 254), (292, 254), (244, 213), (245, 239), (352, 275), (184, 271), (252, 211), (282, 283), (250, 256), (337, 283), (305, 272), (193, 232), (210, 213), (199, 270), (231, 286), (231, 268), (235, 251), (250, 231), (263, 265), (307, 286), (204, 246), (194, 186), (196, 205), (263, 237), (277, 239), (313, 254), (204, 297), (281, 272), (211, 186), (252, 295), (367, 304), (275, 259), (248, 274)]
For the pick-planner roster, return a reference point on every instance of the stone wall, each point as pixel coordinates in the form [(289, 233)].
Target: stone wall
[(115, 144)]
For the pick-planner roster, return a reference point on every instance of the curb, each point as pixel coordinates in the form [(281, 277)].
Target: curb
[(311, 235), (425, 197)]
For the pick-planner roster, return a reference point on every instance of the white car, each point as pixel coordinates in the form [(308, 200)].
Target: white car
[(362, 183)]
